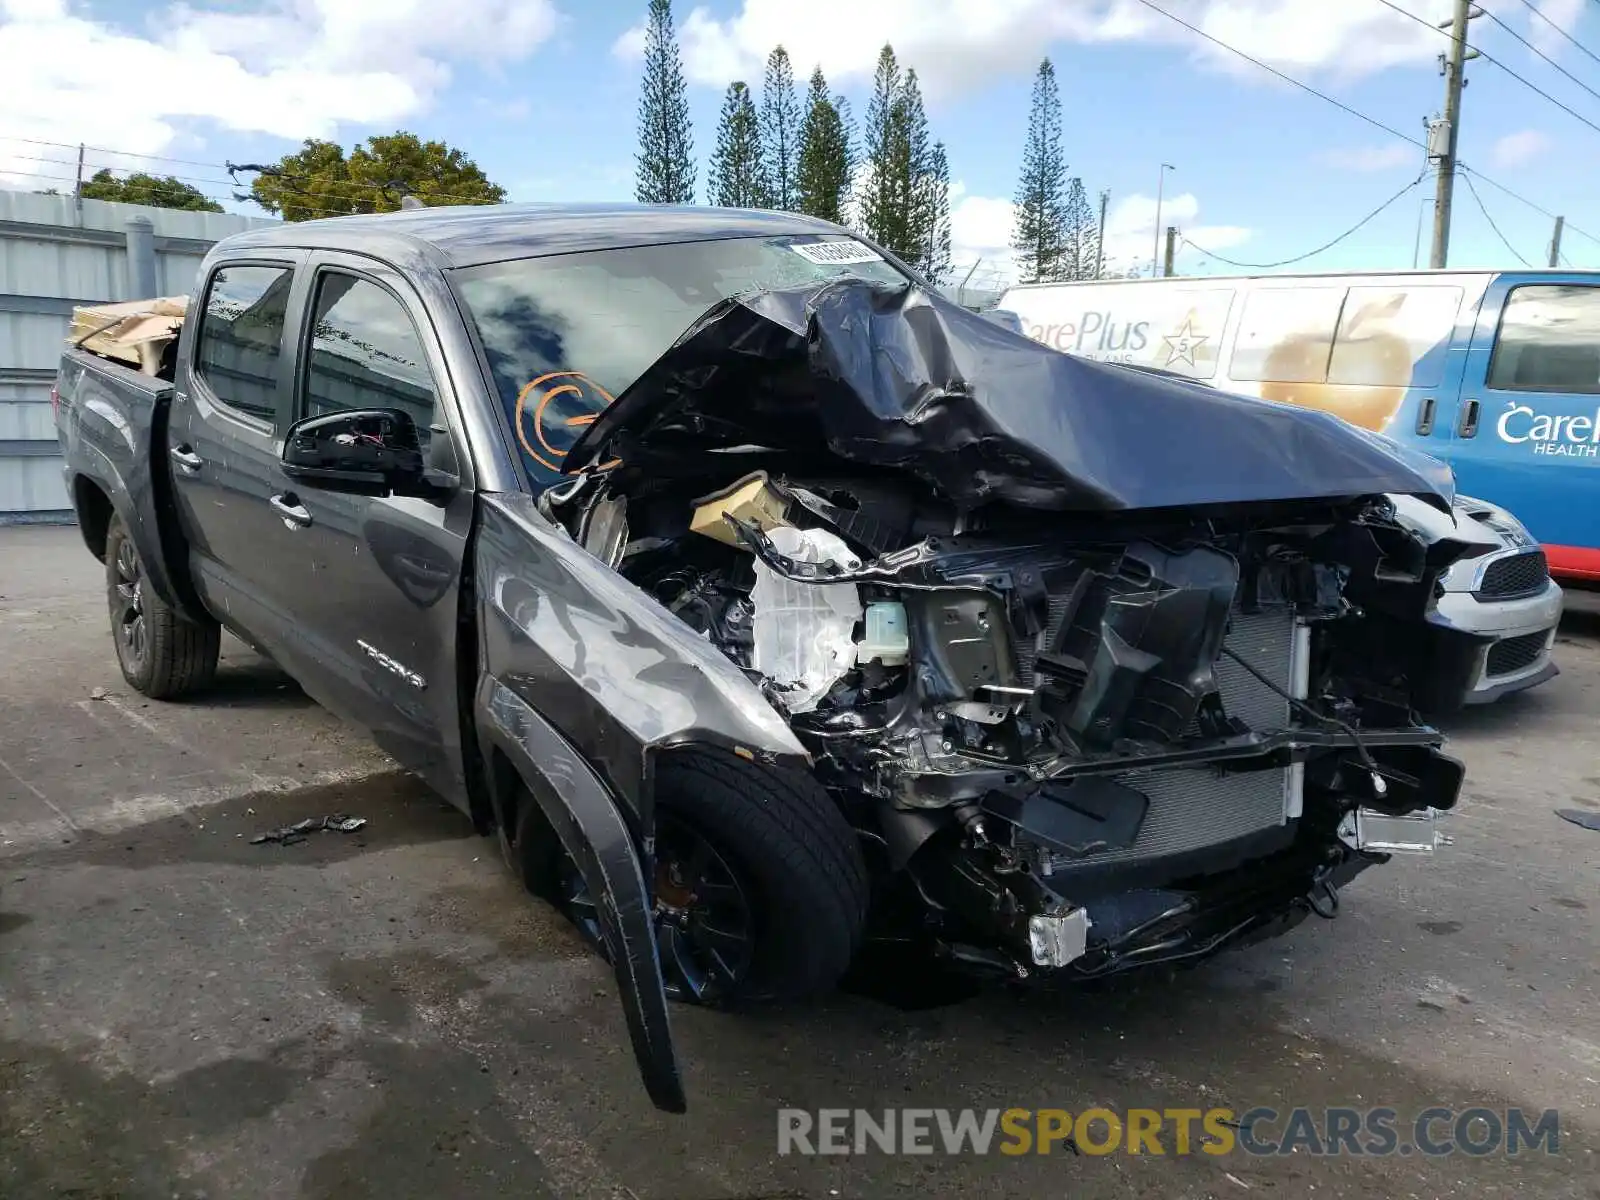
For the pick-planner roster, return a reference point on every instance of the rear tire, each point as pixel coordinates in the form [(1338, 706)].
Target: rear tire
[(746, 854), (161, 654)]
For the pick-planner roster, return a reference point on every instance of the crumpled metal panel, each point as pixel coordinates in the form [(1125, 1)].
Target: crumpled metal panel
[(904, 378), (613, 671)]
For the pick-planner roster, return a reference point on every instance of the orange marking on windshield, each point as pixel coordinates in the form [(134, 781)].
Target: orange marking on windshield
[(578, 387)]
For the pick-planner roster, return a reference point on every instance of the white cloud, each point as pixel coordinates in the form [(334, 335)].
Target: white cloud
[(1518, 148), (1131, 230), (1563, 14), (287, 68), (980, 233), (1374, 158), (958, 44)]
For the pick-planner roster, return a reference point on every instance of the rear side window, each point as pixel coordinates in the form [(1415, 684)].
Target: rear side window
[(1394, 337), (1286, 335), (241, 338), (1549, 340), (365, 353)]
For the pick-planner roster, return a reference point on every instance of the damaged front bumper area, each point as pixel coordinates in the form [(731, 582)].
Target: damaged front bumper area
[(1105, 756), (1138, 740)]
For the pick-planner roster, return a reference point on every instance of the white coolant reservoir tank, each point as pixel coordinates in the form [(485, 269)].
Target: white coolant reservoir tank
[(804, 632), (887, 638)]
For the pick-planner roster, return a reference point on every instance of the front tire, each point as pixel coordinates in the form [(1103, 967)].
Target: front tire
[(161, 654), (760, 888)]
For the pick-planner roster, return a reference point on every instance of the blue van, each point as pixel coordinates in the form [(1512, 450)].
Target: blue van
[(1497, 373)]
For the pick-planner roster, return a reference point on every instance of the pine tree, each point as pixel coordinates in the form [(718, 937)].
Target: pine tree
[(883, 209), (916, 169), (933, 216), (1040, 230), (1080, 244), (666, 143), (780, 130), (822, 179), (737, 178)]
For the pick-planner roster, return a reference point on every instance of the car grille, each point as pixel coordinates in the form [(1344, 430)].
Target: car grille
[(1519, 575), (1191, 808), (1510, 655)]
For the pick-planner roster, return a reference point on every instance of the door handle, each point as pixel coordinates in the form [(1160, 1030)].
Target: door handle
[(295, 515), (1468, 425), (1425, 414), (187, 460)]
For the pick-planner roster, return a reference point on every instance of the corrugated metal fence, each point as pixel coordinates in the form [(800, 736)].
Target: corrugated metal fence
[(55, 253)]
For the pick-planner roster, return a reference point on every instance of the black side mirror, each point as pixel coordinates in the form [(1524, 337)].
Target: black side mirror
[(367, 452)]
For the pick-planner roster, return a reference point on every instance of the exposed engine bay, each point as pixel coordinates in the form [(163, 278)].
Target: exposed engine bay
[(1105, 669), (1067, 735)]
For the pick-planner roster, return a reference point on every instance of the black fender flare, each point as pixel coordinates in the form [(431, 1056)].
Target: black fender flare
[(593, 831), (136, 483)]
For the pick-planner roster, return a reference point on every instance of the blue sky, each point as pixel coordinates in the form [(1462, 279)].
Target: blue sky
[(542, 94)]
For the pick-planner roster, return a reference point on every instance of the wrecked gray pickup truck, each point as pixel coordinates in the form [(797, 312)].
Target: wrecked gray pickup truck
[(764, 603)]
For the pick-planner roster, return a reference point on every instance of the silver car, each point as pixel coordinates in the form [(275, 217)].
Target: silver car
[(1506, 595)]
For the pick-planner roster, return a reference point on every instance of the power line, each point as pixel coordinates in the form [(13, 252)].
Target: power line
[(1373, 121), (332, 190), (1290, 79), (1571, 228), (1534, 9), (1540, 53), (187, 162), (68, 162), (1489, 58), (1311, 253), (329, 186), (1504, 241), (39, 175)]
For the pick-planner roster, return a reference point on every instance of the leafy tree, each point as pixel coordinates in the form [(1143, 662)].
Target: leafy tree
[(933, 216), (140, 188), (822, 181), (320, 180), (738, 178), (1040, 232), (665, 172), (1080, 245), (780, 130)]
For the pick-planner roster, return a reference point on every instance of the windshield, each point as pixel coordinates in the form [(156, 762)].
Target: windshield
[(566, 334)]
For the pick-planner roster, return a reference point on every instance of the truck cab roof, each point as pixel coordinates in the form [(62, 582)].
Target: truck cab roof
[(471, 235)]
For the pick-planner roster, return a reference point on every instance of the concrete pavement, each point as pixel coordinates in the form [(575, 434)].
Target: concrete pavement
[(385, 1014)]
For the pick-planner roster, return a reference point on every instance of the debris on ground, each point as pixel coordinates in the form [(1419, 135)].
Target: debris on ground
[(288, 835), (1584, 820)]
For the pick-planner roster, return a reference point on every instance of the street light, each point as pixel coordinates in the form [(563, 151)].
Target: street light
[(1160, 185)]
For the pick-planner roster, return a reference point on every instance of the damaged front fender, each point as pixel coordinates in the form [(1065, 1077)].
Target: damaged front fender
[(613, 671), (595, 836)]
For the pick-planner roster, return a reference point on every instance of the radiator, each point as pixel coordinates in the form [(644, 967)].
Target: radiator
[(1194, 807)]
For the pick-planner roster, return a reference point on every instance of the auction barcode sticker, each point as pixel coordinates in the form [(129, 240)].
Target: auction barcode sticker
[(829, 254)]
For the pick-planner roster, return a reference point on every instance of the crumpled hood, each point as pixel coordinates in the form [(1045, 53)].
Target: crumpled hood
[(903, 378)]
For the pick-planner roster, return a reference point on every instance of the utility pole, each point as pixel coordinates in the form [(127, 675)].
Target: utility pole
[(1100, 237), (1172, 249), (77, 188), (1555, 242), (1155, 253), (1445, 135)]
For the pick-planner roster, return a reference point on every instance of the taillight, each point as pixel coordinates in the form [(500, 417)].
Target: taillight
[(55, 398)]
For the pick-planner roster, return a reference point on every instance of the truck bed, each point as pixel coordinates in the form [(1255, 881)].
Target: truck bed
[(111, 421)]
